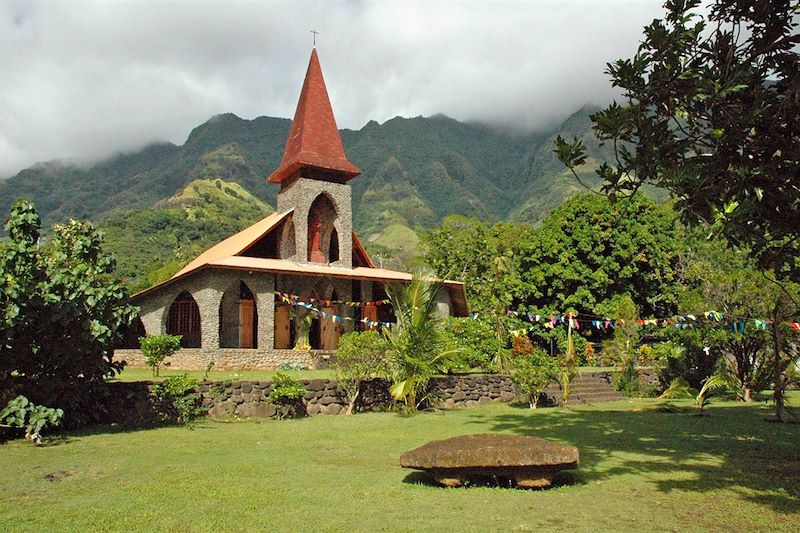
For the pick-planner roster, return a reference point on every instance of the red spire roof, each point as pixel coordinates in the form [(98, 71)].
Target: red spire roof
[(314, 141)]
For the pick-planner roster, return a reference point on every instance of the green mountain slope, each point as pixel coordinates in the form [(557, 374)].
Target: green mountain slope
[(151, 244)]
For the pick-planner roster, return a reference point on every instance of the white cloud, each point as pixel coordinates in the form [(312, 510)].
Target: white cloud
[(86, 80)]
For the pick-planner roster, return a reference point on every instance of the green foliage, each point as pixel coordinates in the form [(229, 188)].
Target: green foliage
[(627, 380), (151, 244), (416, 345), (622, 347), (707, 85), (22, 413), (285, 389), (680, 388), (472, 341), (61, 311), (590, 251), (532, 373), (176, 399), (156, 348), (360, 357)]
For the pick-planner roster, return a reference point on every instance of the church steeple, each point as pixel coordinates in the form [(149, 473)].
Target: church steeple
[(314, 148)]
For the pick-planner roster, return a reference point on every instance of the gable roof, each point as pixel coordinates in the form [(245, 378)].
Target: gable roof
[(314, 140)]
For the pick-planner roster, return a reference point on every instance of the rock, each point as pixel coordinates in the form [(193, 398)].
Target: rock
[(222, 410), (332, 409), (449, 403), (484, 400), (531, 462), (316, 384), (256, 409), (470, 403), (506, 397), (246, 387), (313, 409), (459, 396), (327, 400)]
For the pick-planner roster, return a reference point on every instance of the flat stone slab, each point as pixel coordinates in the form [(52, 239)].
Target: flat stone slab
[(531, 462)]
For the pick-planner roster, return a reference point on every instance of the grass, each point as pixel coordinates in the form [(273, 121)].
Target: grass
[(145, 374), (641, 470)]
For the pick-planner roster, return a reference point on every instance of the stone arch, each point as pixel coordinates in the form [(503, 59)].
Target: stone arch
[(287, 246), (322, 216), (238, 317), (184, 319)]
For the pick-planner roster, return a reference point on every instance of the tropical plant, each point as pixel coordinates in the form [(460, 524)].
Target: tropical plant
[(680, 388), (473, 341), (22, 413), (176, 399), (416, 344), (287, 393), (532, 373), (360, 357), (156, 349), (61, 311)]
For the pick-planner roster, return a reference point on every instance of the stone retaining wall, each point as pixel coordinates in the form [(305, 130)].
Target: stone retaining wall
[(231, 358), (324, 396)]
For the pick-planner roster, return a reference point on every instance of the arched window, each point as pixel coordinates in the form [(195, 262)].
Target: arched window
[(321, 217), (131, 334), (238, 319), (334, 246), (184, 320)]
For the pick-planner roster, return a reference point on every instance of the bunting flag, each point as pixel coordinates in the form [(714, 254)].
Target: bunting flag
[(688, 321), (286, 297), (296, 302)]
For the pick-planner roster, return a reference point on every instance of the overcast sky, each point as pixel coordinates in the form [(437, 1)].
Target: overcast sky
[(84, 80)]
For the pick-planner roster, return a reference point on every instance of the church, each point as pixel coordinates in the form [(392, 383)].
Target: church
[(300, 274)]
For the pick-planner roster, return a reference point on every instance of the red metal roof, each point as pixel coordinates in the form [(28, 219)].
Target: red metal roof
[(314, 140)]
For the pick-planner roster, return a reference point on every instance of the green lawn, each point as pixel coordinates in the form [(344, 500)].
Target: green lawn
[(641, 470)]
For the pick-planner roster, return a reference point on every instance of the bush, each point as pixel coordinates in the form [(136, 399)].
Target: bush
[(156, 348), (626, 379), (21, 413), (175, 399), (287, 392), (474, 341), (360, 357), (532, 373)]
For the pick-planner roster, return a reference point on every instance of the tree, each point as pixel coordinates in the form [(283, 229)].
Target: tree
[(532, 373), (712, 114), (156, 349), (60, 313), (360, 357), (589, 251), (416, 344)]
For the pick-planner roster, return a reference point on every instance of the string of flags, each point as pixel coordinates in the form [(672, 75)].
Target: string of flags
[(328, 303), (687, 321), (295, 301)]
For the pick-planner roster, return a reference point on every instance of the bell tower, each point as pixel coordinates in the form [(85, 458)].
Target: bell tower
[(313, 175)]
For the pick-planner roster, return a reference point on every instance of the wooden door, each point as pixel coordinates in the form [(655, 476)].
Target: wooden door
[(329, 330), (246, 322), (283, 333), (370, 312)]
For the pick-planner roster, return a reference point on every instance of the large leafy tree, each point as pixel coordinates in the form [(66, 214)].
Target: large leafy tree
[(590, 251), (711, 113), (60, 313)]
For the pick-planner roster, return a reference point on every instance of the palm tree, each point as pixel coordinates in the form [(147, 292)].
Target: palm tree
[(416, 345)]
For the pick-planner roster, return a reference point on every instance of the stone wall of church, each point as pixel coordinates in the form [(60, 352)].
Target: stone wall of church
[(300, 195)]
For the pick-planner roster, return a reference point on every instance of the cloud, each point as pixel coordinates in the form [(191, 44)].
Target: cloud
[(87, 80)]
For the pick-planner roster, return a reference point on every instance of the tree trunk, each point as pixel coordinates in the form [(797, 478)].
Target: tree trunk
[(777, 374), (533, 399), (747, 395), (353, 401)]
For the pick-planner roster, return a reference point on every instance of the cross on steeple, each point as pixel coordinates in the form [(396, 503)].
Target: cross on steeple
[(315, 32)]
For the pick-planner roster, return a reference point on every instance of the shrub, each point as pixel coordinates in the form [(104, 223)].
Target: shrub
[(176, 400), (156, 348), (473, 341), (360, 357), (287, 392), (626, 379), (22, 413), (532, 373)]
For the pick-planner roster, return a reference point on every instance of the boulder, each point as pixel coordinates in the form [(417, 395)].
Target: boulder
[(530, 462)]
